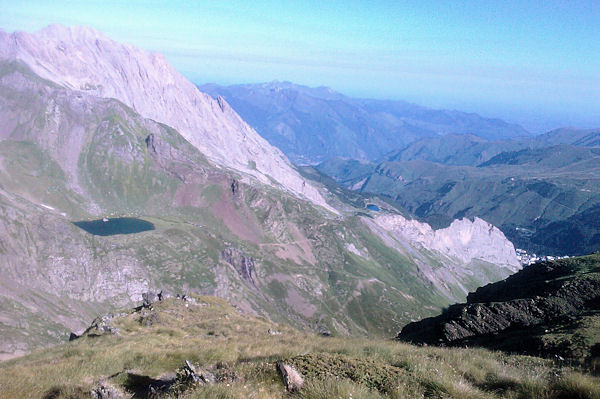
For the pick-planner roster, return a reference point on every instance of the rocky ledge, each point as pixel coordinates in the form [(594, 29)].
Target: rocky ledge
[(549, 309)]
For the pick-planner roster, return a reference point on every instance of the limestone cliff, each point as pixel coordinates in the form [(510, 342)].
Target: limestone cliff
[(463, 239)]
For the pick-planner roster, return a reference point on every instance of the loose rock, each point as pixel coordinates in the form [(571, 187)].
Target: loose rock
[(292, 379), (105, 392)]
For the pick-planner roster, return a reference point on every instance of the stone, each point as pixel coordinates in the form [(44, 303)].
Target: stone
[(190, 374), (148, 298), (101, 325), (103, 391), (325, 332), (292, 379)]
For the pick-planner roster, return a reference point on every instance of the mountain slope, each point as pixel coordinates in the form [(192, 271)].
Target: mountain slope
[(67, 155), (313, 124), (543, 199), (550, 309), (578, 137), (80, 58), (457, 149)]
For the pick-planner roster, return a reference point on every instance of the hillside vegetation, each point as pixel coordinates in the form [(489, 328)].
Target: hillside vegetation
[(141, 353)]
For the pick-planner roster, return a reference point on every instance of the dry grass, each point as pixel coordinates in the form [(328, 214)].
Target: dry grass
[(241, 353)]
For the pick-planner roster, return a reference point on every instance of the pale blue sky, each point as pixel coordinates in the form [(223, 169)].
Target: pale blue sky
[(533, 62)]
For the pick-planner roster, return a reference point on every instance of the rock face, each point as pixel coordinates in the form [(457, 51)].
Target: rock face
[(463, 239), (81, 58), (550, 308), (242, 264)]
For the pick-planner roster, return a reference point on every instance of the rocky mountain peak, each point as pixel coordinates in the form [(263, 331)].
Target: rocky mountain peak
[(81, 58), (464, 239)]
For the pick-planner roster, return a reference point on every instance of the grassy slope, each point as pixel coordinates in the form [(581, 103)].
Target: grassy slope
[(242, 354)]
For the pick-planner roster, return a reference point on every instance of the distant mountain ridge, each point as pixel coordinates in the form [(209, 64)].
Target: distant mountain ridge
[(577, 137), (313, 124)]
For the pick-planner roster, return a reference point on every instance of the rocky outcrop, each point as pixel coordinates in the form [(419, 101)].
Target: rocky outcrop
[(241, 263), (522, 312), (83, 59), (102, 325), (464, 239), (191, 374), (292, 379), (104, 391)]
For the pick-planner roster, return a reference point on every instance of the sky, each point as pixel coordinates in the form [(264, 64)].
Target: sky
[(532, 62)]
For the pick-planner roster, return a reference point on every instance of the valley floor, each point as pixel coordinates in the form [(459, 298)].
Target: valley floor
[(137, 352)]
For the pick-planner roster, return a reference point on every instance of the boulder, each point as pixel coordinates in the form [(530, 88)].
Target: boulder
[(103, 391), (190, 374), (148, 298), (292, 379)]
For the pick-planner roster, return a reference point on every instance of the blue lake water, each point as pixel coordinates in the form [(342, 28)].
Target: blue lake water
[(373, 207), (115, 226)]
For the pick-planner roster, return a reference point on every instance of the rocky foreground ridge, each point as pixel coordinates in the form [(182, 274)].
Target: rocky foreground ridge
[(549, 308), (201, 347)]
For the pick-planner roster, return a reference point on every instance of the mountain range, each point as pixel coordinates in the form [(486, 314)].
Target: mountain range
[(544, 196), (95, 132), (438, 165), (314, 124), (154, 245)]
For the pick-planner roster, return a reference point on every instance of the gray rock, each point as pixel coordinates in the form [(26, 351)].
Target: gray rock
[(324, 331), (190, 374), (103, 391), (244, 265), (101, 325), (148, 298), (292, 379)]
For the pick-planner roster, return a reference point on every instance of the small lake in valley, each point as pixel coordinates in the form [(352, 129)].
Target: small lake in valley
[(373, 207), (110, 227)]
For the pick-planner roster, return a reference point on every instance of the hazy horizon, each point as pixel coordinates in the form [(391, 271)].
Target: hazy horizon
[(536, 65)]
